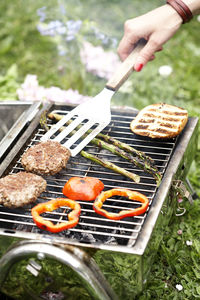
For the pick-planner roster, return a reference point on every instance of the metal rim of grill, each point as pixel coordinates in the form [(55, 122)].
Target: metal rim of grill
[(94, 230)]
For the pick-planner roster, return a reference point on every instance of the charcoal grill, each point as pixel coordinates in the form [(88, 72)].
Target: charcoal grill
[(99, 258)]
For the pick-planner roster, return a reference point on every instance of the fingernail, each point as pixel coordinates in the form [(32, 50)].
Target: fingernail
[(139, 67)]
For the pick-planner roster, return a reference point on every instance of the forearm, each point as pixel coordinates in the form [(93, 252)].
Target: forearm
[(157, 27), (194, 6)]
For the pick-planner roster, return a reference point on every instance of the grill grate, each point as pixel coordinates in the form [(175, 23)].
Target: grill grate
[(93, 228)]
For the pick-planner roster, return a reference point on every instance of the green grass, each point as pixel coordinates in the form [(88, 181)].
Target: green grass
[(23, 46)]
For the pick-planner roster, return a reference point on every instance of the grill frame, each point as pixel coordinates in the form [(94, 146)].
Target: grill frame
[(144, 235), (108, 265)]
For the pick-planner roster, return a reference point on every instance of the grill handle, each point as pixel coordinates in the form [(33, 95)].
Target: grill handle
[(70, 256)]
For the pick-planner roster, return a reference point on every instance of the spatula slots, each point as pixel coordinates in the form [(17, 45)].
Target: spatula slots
[(93, 114)]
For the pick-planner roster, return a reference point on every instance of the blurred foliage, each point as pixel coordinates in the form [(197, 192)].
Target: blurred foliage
[(22, 44), (24, 50), (9, 84)]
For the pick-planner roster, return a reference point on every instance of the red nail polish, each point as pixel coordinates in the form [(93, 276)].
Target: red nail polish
[(139, 67)]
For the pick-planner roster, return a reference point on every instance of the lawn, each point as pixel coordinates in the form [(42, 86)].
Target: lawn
[(31, 44)]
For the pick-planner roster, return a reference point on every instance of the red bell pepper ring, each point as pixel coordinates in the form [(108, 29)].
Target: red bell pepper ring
[(73, 216), (132, 195), (83, 188)]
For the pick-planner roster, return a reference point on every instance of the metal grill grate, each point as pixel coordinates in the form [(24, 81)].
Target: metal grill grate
[(93, 228)]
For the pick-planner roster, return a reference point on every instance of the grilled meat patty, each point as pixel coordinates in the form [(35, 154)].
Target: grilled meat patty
[(21, 188), (160, 120), (46, 158)]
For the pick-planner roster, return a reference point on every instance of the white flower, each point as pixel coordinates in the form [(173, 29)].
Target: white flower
[(189, 243), (179, 287), (198, 18), (30, 90), (56, 94), (30, 82), (165, 71)]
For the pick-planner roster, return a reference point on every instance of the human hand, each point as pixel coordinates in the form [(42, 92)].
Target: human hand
[(157, 27)]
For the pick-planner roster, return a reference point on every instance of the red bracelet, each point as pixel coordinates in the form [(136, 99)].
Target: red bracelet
[(182, 9)]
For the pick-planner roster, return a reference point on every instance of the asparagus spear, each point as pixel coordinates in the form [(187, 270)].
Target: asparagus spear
[(135, 160), (104, 162), (43, 121), (112, 140), (141, 160), (126, 147), (110, 166)]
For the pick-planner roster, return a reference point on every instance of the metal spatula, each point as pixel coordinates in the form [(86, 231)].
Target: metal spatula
[(94, 115)]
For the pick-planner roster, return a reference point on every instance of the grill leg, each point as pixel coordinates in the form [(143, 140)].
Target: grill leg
[(193, 192), (70, 256)]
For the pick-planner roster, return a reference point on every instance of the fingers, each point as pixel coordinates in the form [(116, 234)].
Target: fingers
[(139, 67), (146, 54), (152, 57), (129, 39), (125, 47), (132, 33)]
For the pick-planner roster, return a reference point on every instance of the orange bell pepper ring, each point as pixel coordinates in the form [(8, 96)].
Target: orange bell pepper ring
[(73, 216), (132, 195), (83, 188)]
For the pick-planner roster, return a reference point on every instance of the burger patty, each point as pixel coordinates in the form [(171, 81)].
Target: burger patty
[(160, 120), (21, 188), (45, 158)]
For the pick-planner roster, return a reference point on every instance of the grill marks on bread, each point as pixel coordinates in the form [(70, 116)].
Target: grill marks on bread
[(160, 121), (45, 158), (22, 188)]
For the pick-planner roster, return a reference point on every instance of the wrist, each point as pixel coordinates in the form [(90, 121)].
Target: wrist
[(186, 9), (182, 9), (173, 14), (194, 6)]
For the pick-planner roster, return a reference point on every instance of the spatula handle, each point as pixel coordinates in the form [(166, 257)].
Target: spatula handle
[(126, 68)]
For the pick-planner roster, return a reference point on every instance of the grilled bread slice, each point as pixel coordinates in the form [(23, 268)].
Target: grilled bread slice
[(160, 120)]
